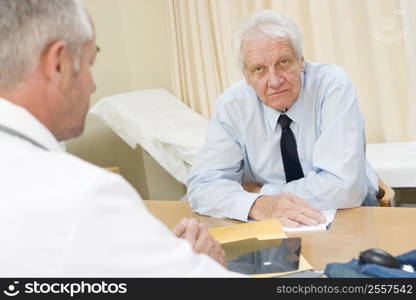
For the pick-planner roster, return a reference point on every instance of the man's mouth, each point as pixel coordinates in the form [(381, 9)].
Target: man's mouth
[(278, 93)]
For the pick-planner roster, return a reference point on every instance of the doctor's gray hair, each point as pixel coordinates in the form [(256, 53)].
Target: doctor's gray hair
[(28, 27), (269, 23)]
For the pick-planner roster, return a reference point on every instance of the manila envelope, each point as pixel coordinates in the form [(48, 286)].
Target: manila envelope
[(262, 230)]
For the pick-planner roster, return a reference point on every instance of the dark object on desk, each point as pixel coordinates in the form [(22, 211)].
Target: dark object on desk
[(263, 256), (379, 257), (357, 269), (305, 274)]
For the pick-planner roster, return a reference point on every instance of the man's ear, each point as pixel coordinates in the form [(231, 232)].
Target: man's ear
[(55, 62), (302, 61)]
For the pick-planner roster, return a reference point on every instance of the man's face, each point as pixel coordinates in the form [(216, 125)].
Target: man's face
[(76, 94), (273, 70)]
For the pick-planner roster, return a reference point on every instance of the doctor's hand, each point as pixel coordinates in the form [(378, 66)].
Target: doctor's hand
[(289, 209), (198, 236)]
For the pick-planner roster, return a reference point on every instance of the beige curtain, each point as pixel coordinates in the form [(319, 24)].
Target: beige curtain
[(374, 40)]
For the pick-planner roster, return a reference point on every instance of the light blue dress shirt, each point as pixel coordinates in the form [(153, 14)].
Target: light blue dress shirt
[(243, 145)]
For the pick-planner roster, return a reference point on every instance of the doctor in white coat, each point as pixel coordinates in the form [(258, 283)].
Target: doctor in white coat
[(59, 215)]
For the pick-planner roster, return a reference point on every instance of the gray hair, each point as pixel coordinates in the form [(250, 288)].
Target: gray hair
[(269, 23), (27, 27)]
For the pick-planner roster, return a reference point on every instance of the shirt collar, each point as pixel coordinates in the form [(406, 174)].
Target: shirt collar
[(295, 112), (271, 115), (22, 121)]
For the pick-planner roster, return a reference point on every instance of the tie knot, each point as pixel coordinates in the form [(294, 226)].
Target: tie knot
[(284, 121)]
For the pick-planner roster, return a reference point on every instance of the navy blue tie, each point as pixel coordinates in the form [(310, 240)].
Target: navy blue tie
[(291, 163)]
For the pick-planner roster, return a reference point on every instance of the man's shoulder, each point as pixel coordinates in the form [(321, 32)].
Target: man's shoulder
[(81, 170), (67, 169), (66, 161), (325, 73), (238, 94), (60, 184)]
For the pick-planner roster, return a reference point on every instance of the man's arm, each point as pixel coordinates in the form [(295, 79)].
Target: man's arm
[(214, 183), (198, 236), (116, 236)]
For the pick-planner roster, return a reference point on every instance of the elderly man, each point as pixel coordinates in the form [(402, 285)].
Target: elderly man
[(285, 142), (61, 216)]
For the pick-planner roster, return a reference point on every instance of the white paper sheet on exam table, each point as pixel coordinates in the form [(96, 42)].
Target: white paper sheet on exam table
[(329, 215)]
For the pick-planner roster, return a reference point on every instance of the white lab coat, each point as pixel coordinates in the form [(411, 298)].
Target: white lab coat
[(61, 216)]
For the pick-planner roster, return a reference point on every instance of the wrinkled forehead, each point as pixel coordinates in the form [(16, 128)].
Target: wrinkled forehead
[(268, 47)]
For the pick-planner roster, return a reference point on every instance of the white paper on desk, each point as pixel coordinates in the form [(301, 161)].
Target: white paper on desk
[(329, 215)]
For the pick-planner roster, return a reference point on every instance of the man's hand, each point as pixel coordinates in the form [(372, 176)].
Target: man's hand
[(289, 209), (198, 236)]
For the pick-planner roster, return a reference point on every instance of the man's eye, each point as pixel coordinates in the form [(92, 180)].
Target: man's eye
[(258, 69), (284, 62)]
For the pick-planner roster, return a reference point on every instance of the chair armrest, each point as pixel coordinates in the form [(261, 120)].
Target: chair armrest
[(385, 196)]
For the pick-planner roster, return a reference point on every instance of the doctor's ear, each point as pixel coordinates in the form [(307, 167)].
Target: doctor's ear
[(55, 61)]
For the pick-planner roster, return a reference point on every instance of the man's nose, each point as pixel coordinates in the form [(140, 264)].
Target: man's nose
[(275, 79)]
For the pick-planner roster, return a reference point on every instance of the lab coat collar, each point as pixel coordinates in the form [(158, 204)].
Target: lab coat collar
[(22, 121)]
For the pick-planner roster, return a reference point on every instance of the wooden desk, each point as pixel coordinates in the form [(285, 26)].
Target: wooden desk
[(389, 228)]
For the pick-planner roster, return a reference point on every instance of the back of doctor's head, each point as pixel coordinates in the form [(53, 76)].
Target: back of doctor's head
[(27, 27)]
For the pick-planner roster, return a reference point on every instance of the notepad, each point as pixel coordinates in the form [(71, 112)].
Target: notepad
[(329, 215)]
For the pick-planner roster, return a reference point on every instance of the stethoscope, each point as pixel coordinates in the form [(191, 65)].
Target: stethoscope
[(21, 136)]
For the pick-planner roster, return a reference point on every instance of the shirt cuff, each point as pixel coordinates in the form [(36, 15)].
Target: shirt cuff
[(270, 189), (252, 197)]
